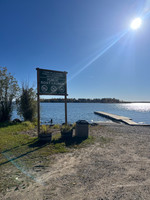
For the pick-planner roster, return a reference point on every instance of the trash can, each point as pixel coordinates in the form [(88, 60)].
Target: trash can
[(82, 129)]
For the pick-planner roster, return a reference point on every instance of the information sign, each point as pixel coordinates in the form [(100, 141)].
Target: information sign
[(52, 82)]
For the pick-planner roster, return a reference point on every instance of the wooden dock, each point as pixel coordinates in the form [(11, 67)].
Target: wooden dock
[(117, 118)]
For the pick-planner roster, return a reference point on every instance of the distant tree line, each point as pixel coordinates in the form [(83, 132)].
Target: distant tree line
[(82, 100)]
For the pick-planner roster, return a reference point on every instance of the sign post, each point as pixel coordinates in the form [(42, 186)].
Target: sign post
[(66, 101), (50, 82), (38, 102)]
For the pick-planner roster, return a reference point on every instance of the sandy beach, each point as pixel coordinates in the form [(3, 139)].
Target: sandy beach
[(118, 169)]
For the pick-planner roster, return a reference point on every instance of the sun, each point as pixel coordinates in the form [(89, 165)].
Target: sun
[(136, 23)]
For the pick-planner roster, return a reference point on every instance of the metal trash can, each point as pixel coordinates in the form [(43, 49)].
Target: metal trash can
[(82, 129)]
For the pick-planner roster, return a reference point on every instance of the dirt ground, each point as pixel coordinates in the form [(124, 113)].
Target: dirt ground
[(116, 170)]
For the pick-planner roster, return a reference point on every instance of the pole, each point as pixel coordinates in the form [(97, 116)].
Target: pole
[(66, 109), (38, 103), (66, 102)]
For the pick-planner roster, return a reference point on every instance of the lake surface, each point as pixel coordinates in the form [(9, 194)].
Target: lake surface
[(138, 112)]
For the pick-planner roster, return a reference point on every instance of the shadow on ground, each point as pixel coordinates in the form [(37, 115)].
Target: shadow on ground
[(6, 124), (39, 144), (69, 141), (36, 145)]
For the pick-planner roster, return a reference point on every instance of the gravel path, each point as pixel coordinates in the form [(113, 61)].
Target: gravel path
[(118, 169)]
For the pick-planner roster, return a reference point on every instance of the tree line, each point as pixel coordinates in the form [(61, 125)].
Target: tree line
[(25, 98), (82, 100)]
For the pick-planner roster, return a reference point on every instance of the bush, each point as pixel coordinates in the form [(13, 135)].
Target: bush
[(56, 126), (28, 124), (66, 128), (44, 129), (27, 103)]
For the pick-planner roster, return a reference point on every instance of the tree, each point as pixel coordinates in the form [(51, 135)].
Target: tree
[(8, 92), (27, 103)]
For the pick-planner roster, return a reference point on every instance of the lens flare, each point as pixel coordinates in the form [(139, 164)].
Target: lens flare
[(101, 53), (136, 23)]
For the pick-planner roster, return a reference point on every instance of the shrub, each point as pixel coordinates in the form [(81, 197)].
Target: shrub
[(27, 103), (56, 126), (44, 129), (66, 128), (28, 124)]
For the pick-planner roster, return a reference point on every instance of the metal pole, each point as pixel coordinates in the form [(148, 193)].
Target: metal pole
[(38, 103)]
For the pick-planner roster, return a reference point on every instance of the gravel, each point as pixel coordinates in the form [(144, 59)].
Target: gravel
[(117, 169)]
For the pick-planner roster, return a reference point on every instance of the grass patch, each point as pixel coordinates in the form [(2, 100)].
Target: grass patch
[(28, 124), (12, 144), (56, 126), (10, 136), (73, 142), (80, 143)]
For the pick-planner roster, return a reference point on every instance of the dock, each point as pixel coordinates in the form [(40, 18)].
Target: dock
[(117, 118)]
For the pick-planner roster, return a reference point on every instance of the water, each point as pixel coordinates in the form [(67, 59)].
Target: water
[(138, 112)]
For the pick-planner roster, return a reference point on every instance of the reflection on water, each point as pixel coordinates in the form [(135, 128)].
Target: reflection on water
[(138, 112), (140, 107)]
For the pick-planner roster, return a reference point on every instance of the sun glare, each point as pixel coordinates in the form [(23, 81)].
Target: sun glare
[(136, 23)]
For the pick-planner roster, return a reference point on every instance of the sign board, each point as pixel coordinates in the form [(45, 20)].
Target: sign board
[(52, 82)]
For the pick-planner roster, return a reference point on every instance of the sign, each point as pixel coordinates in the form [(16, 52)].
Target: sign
[(52, 82)]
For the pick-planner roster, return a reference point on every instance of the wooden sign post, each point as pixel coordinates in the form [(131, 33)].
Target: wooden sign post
[(38, 102), (50, 82), (66, 100)]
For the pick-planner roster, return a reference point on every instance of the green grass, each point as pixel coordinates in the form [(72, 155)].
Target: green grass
[(56, 126), (10, 136), (12, 144)]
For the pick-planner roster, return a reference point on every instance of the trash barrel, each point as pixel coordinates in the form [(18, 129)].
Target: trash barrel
[(82, 129)]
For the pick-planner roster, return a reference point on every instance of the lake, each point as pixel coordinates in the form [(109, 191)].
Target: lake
[(138, 112)]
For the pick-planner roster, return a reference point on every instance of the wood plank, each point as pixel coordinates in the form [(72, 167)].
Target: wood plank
[(118, 118)]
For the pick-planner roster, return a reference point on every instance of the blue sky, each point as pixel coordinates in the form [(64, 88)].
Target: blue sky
[(90, 39)]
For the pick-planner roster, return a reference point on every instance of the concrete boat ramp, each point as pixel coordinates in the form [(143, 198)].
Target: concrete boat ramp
[(117, 118)]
